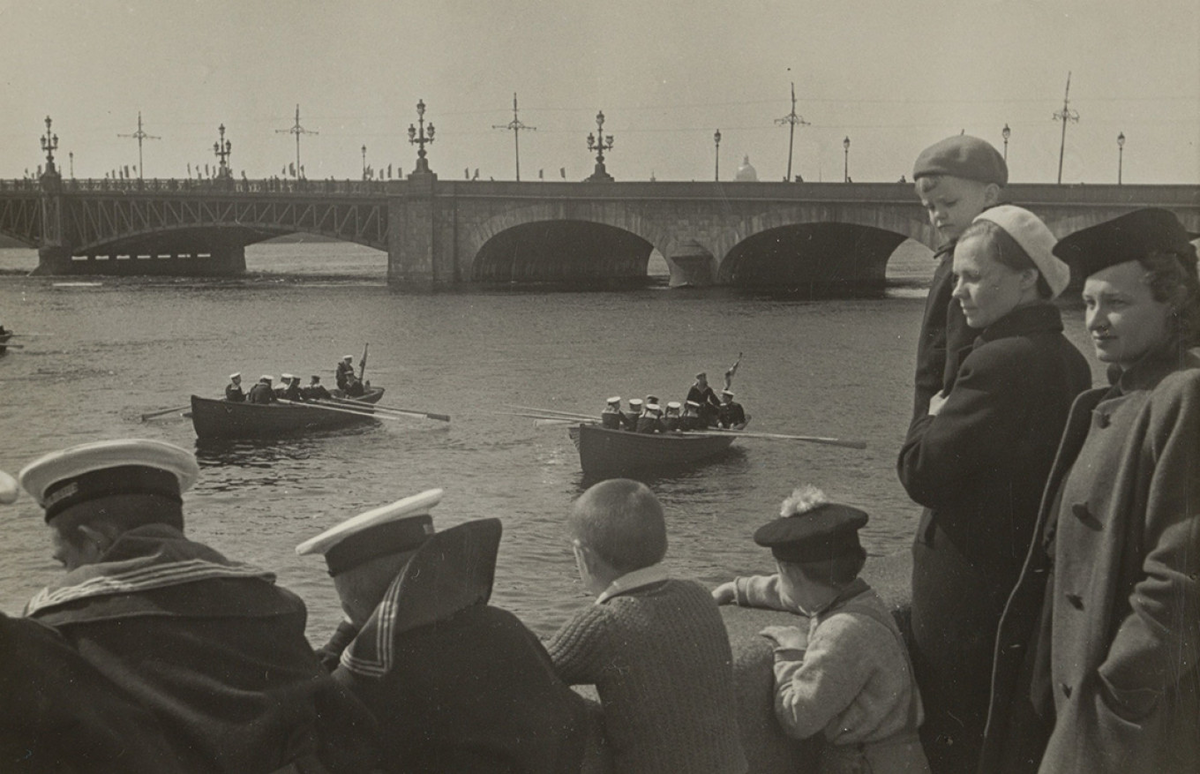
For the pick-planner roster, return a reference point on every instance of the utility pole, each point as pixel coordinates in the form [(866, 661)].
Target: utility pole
[(139, 135), (296, 130), (516, 127), (791, 119), (1065, 115)]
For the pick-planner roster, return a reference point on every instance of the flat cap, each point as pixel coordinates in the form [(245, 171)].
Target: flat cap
[(1028, 231), (1127, 238), (390, 529), (825, 531), (64, 478), (962, 156)]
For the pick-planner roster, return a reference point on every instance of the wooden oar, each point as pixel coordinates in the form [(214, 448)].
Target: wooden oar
[(153, 414), (528, 415), (409, 412), (783, 437), (319, 406), (12, 346), (553, 422), (535, 409)]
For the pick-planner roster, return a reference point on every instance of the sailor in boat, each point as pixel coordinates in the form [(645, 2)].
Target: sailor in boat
[(691, 417), (610, 418), (632, 414), (704, 396), (262, 393), (292, 390), (315, 390), (345, 372), (280, 389), (730, 414), (672, 419), (420, 647), (233, 390), (651, 420), (212, 648), (354, 387)]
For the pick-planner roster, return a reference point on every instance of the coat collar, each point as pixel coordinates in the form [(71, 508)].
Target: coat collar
[(1151, 369), (1040, 317), (632, 581), (856, 587)]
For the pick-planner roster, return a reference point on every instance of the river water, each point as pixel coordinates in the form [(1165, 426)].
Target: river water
[(108, 349)]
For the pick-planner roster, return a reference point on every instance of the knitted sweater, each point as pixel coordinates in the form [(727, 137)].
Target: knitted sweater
[(660, 659)]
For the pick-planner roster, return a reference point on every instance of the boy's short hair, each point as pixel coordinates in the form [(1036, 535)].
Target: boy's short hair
[(622, 521)]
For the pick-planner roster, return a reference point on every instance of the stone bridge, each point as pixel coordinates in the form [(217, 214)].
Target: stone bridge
[(436, 232)]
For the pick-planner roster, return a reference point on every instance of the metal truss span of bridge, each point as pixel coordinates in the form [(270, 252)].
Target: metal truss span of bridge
[(435, 232)]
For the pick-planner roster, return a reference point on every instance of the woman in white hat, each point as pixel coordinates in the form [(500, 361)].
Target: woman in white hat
[(978, 462)]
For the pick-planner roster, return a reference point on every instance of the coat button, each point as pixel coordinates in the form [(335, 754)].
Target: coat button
[(1076, 601), (1066, 689)]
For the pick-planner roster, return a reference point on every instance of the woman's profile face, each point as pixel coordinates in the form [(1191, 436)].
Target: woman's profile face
[(985, 288), (1122, 316)]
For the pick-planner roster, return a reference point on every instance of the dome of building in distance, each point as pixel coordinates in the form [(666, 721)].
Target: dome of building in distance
[(746, 173)]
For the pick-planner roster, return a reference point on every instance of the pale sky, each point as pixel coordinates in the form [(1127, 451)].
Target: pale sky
[(892, 75)]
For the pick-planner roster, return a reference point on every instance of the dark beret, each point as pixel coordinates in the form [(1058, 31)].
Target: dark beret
[(825, 532), (962, 156), (1127, 238)]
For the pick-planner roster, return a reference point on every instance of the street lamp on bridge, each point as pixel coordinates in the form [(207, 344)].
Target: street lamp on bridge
[(1006, 133), (71, 156), (420, 138), (791, 119), (296, 130), (599, 143), (1120, 155), (717, 143), (1065, 115), (364, 154), (846, 160), (139, 135), (516, 126), (49, 145), (221, 149)]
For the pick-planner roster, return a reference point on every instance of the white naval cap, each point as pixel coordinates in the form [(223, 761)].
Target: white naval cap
[(8, 489), (1028, 231), (674, 404), (63, 478), (614, 399), (727, 392), (389, 529), (286, 377), (635, 401), (347, 357), (237, 375), (266, 378)]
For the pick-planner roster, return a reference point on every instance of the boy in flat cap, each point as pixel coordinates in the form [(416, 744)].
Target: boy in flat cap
[(956, 179), (1098, 644), (456, 684), (655, 648), (213, 649), (845, 674)]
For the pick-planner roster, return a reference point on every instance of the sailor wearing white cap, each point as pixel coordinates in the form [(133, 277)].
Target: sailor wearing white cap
[(281, 389), (262, 392), (705, 399), (233, 390), (671, 419), (345, 372), (315, 390), (292, 389), (212, 648), (611, 416), (630, 415), (650, 421), (421, 647), (731, 413)]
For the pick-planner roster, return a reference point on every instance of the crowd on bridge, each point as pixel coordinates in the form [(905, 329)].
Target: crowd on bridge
[(1055, 615)]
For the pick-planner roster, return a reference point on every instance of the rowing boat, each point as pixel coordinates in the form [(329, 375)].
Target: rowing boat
[(4, 337), (605, 453), (214, 418)]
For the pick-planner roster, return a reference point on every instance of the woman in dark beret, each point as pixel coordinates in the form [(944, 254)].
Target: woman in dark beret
[(1097, 649), (978, 462)]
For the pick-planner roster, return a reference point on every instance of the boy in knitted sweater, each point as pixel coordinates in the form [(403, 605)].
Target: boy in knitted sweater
[(655, 648), (845, 672)]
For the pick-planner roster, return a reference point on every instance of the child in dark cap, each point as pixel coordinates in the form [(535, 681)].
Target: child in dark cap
[(956, 179), (846, 673)]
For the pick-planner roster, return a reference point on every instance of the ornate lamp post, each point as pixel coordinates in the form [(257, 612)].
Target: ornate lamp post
[(71, 156), (1065, 115), (1120, 155), (599, 143), (792, 120), (222, 149), (1006, 133), (516, 126), (846, 160), (49, 145), (420, 138), (717, 143), (364, 155)]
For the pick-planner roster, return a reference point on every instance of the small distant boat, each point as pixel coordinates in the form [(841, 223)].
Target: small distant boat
[(4, 337), (605, 453), (216, 418)]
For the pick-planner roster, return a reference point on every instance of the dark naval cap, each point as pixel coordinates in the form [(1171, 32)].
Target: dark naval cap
[(392, 529), (90, 471), (812, 529), (1127, 238), (962, 156)]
